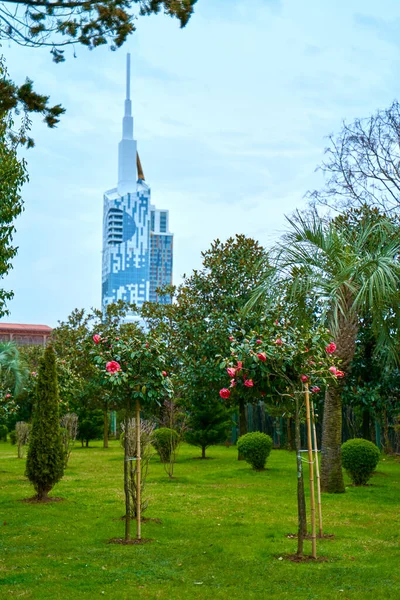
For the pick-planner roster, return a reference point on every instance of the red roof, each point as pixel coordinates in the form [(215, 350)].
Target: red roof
[(17, 327)]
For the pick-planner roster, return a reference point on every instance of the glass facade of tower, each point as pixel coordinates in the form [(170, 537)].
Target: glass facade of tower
[(137, 244), (161, 256)]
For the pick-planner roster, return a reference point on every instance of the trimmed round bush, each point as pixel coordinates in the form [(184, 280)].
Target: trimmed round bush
[(165, 441), (255, 449), (13, 437), (359, 458)]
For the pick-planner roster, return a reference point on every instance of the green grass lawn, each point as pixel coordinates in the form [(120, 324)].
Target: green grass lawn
[(222, 533)]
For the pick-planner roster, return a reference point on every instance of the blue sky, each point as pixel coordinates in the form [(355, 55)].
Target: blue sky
[(231, 116)]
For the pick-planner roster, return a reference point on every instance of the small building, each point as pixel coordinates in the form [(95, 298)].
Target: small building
[(25, 335)]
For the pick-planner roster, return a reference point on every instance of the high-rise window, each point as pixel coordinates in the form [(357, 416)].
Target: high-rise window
[(163, 222), (153, 215)]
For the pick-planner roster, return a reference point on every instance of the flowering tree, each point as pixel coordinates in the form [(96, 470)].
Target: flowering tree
[(134, 367), (280, 362), (72, 342), (206, 306)]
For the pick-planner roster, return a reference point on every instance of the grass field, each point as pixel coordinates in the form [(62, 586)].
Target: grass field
[(222, 533)]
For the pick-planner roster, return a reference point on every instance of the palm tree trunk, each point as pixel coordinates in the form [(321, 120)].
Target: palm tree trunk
[(331, 453), (331, 466)]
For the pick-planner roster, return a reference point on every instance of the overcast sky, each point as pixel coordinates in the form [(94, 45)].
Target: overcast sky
[(231, 115)]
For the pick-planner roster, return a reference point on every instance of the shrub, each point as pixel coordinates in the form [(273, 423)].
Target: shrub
[(3, 433), (255, 449), (91, 423), (359, 458), (165, 441), (45, 462), (13, 437), (22, 432)]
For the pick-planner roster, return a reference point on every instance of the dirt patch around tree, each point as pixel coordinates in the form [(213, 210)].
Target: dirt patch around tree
[(134, 542), (35, 500), (302, 559), (325, 536)]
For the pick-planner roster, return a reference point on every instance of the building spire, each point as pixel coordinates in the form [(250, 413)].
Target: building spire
[(127, 147), (128, 76)]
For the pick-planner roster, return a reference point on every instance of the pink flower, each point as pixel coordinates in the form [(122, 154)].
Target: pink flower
[(304, 378), (248, 382), (34, 374), (113, 366), (231, 338), (7, 396), (333, 370), (331, 348), (258, 341), (224, 393), (278, 342), (239, 366), (233, 383), (262, 356), (116, 339), (96, 338), (339, 374), (231, 371), (315, 389), (164, 373), (277, 322), (147, 345)]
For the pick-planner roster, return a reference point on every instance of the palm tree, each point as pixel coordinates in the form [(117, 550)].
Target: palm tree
[(12, 371), (344, 270)]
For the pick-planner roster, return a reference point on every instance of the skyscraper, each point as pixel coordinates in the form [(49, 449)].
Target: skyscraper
[(137, 243)]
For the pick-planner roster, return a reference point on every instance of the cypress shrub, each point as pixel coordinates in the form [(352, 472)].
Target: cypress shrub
[(359, 458), (45, 460), (209, 424), (255, 449)]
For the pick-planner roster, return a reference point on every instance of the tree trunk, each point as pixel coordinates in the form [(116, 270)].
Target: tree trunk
[(43, 493), (278, 432), (203, 452), (387, 446), (126, 477), (331, 453), (242, 421), (138, 475), (366, 429), (301, 499), (105, 429), (290, 445)]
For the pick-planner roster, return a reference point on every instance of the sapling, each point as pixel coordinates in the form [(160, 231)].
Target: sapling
[(69, 431), (147, 450)]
